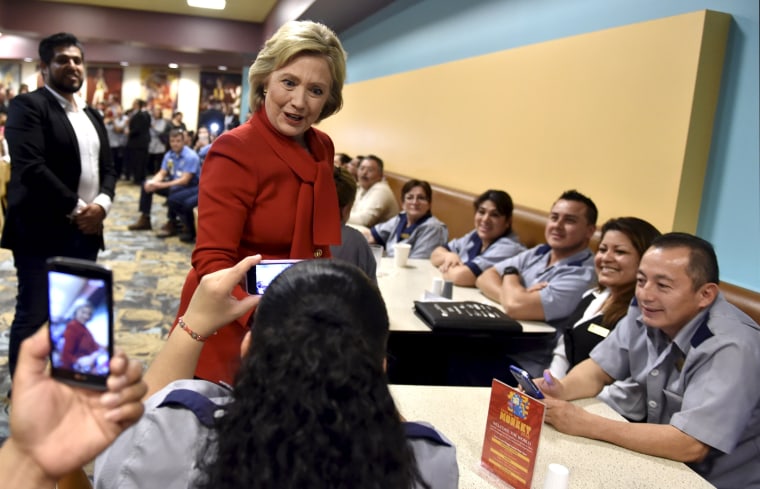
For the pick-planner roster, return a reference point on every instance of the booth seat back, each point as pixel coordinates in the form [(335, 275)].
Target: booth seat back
[(455, 208)]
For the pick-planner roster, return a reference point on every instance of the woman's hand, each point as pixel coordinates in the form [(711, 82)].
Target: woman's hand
[(213, 305), (550, 385)]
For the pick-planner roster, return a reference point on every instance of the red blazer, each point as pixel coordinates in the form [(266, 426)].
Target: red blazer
[(260, 192)]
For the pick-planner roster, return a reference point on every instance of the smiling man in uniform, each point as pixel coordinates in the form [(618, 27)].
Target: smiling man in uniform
[(546, 283), (692, 355)]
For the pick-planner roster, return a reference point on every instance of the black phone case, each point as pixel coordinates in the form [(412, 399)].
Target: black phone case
[(90, 270)]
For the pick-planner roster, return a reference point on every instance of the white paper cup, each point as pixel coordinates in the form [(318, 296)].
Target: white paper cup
[(377, 252), (437, 287), (401, 254), (557, 477)]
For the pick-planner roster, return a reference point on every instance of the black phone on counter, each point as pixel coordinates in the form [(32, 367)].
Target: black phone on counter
[(261, 275), (527, 384), (80, 307)]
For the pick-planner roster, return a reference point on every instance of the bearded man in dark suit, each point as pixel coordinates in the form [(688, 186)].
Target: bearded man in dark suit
[(62, 180)]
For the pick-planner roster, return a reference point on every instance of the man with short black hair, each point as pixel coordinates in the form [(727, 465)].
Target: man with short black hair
[(62, 180), (545, 283), (692, 355)]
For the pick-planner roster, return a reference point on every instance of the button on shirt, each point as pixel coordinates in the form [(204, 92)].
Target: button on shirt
[(89, 153)]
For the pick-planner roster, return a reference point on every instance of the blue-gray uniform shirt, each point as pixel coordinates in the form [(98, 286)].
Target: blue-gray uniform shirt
[(177, 164), (568, 279), (468, 249), (427, 234), (162, 449), (703, 383)]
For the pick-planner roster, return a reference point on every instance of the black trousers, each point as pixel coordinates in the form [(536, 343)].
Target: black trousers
[(32, 296), (137, 164)]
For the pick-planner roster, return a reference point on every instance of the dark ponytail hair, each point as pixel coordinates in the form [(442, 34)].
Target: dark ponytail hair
[(311, 401)]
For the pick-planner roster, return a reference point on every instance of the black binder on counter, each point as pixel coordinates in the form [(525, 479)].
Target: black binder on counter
[(465, 315)]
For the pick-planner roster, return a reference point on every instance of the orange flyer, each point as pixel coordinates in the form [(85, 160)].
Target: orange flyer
[(513, 430)]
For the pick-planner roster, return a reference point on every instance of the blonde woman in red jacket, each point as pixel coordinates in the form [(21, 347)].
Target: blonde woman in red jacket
[(266, 186)]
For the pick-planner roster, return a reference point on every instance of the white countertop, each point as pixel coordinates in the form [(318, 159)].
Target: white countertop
[(460, 413), (400, 287)]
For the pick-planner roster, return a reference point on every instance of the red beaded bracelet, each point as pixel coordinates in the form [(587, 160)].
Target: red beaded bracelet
[(186, 328)]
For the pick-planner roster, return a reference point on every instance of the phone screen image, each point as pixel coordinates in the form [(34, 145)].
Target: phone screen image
[(261, 275), (81, 326)]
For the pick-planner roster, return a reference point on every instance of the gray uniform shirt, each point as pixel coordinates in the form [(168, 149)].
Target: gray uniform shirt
[(468, 249), (703, 383), (568, 279), (354, 249), (424, 238), (162, 449)]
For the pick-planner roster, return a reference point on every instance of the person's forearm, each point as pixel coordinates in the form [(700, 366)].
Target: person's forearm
[(460, 275), (366, 217), (185, 179), (176, 360), (587, 379), (489, 282), (518, 302), (660, 440), (437, 256), (20, 471)]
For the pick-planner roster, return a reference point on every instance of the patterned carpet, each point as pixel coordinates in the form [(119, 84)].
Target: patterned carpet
[(148, 277)]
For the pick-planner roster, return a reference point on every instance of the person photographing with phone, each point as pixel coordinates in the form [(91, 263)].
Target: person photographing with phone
[(310, 407), (56, 428), (687, 351)]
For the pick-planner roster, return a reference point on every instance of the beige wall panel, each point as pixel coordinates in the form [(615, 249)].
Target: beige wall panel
[(610, 113)]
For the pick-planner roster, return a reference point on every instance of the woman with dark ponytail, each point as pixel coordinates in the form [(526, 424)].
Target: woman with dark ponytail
[(310, 407), (624, 241)]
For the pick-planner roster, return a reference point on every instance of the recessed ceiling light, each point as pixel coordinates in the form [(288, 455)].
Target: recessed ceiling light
[(173, 66), (222, 68), (212, 4), (28, 60), (124, 63)]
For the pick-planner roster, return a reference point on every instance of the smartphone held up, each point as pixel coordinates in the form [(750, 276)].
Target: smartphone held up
[(261, 275), (80, 298)]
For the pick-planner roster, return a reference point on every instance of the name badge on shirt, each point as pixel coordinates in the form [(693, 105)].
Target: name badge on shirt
[(598, 330)]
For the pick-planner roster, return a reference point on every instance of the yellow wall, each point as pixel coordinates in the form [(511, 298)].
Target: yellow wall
[(623, 115)]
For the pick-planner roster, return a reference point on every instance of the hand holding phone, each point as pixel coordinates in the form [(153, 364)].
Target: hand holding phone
[(261, 275), (80, 299), (527, 384)]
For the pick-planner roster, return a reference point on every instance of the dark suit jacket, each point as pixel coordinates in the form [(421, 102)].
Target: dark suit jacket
[(45, 170), (139, 131)]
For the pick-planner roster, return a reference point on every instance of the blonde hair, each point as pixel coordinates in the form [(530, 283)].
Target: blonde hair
[(293, 39)]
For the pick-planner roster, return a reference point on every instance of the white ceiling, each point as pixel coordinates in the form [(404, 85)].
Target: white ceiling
[(243, 10)]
